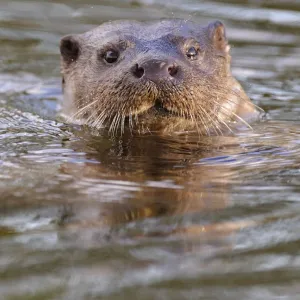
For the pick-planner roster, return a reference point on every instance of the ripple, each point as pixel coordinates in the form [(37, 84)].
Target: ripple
[(83, 216)]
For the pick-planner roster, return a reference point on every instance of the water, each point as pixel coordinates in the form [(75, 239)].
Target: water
[(83, 216)]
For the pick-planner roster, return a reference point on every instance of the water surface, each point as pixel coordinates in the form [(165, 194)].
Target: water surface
[(84, 216)]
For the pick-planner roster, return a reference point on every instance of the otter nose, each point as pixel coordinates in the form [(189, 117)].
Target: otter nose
[(156, 70)]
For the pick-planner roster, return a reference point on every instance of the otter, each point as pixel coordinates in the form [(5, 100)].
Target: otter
[(163, 76)]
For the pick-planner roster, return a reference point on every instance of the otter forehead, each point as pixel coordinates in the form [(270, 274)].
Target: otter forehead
[(146, 31)]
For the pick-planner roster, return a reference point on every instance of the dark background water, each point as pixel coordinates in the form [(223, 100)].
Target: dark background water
[(83, 216)]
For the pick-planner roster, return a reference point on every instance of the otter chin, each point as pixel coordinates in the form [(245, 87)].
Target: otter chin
[(163, 76)]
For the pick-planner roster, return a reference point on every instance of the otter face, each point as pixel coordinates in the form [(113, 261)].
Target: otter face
[(169, 75)]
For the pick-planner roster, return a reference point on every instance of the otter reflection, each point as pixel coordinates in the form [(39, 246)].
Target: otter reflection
[(132, 178)]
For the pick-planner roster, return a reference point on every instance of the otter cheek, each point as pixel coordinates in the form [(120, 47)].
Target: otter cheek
[(70, 104)]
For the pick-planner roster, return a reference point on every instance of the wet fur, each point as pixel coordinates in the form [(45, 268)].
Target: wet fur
[(205, 97)]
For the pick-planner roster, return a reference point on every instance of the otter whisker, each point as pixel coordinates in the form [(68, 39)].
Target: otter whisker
[(123, 124), (83, 109), (215, 126), (130, 121), (114, 124), (100, 118), (231, 113), (243, 121)]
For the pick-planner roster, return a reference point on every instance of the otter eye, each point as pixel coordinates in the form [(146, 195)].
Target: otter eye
[(111, 56), (192, 53)]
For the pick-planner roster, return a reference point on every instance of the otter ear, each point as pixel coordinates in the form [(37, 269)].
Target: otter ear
[(217, 36), (69, 48)]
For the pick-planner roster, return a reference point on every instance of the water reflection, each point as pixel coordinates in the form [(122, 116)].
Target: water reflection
[(176, 217), (132, 178)]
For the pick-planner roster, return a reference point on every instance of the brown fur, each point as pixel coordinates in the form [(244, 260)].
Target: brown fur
[(202, 96)]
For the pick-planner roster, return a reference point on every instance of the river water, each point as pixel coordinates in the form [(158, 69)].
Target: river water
[(85, 216)]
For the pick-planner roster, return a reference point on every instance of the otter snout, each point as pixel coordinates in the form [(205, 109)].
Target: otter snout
[(156, 70)]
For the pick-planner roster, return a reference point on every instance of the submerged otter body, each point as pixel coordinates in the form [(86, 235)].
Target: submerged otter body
[(166, 76)]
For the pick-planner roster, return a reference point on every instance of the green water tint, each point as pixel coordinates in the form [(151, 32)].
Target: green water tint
[(85, 216), (6, 231), (44, 295)]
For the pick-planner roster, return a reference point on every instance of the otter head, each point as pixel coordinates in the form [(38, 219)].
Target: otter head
[(170, 75)]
